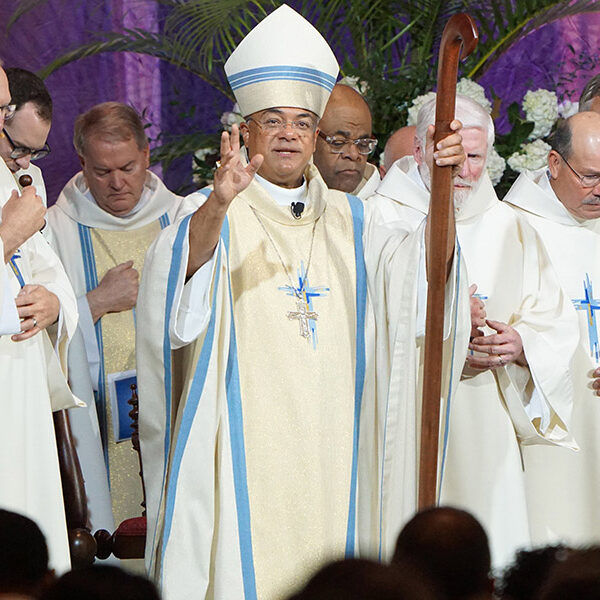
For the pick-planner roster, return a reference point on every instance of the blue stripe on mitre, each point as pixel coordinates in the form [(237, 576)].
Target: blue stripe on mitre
[(281, 72)]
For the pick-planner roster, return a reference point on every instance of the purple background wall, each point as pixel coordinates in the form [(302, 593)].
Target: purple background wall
[(166, 93)]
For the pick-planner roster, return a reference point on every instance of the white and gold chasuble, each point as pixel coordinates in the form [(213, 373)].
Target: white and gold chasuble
[(255, 478), (563, 487), (496, 413), (91, 241)]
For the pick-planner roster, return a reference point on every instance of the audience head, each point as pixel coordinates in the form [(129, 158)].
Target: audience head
[(114, 154), (359, 579), (574, 164), (451, 547), (575, 577), (23, 555), (399, 144), (26, 132), (101, 583), (477, 138), (590, 97), (523, 579), (347, 119)]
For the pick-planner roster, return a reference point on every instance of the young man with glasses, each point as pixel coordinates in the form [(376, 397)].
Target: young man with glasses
[(38, 317), (24, 136), (562, 202), (345, 142)]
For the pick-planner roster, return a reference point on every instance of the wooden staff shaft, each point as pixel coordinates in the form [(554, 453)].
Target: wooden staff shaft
[(460, 32)]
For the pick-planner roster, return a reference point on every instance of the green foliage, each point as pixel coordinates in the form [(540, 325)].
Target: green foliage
[(391, 46)]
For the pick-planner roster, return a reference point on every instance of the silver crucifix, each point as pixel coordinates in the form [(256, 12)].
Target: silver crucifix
[(303, 315)]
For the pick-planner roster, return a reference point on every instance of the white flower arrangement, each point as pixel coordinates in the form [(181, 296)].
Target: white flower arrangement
[(530, 157), (467, 87), (418, 102), (495, 166), (362, 87), (541, 108), (231, 117), (567, 109)]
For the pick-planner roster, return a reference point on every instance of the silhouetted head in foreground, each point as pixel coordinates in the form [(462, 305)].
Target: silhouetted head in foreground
[(101, 583), (359, 579), (23, 555), (451, 547), (576, 577)]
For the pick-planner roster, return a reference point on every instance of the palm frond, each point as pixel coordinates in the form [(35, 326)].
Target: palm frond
[(513, 20), (23, 7), (176, 146)]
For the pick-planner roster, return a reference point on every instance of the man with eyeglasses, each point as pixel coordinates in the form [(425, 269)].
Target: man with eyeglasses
[(562, 202), (25, 134), (515, 388), (38, 316), (263, 448), (345, 142)]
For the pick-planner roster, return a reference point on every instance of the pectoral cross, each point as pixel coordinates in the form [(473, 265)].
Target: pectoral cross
[(303, 314), (590, 304)]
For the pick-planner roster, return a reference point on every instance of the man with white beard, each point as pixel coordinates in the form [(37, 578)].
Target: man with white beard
[(515, 388), (562, 203)]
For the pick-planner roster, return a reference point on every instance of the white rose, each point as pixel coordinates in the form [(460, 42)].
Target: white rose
[(495, 166), (469, 88), (541, 107), (231, 117), (413, 111), (567, 109), (362, 87), (530, 157)]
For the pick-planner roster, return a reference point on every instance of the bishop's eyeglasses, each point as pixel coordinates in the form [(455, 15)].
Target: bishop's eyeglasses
[(586, 181), (21, 151), (275, 125), (338, 143), (8, 110)]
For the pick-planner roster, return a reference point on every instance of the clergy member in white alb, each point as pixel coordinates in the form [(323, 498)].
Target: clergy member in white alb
[(345, 142), (273, 289), (101, 226), (516, 388), (38, 315), (562, 203)]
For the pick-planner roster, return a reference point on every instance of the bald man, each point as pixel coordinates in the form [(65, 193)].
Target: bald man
[(345, 142), (562, 202), (399, 144)]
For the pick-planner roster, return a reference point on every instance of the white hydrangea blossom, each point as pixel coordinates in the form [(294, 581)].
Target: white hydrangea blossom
[(567, 109), (362, 87), (541, 107), (530, 157), (467, 87), (230, 117), (495, 166), (413, 111)]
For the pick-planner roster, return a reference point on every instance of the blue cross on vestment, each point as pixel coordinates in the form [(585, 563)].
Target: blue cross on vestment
[(305, 313), (590, 304), (15, 268)]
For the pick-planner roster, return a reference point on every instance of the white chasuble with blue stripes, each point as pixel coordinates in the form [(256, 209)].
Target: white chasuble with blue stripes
[(262, 478)]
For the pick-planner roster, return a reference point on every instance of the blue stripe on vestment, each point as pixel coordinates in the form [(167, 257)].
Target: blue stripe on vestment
[(448, 403), (357, 209), (196, 389), (91, 282), (238, 452)]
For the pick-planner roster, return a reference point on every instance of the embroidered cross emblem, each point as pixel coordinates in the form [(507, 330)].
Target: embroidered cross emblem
[(590, 304)]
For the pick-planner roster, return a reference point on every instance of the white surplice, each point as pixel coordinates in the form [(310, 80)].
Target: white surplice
[(369, 182), (32, 373), (563, 488), (256, 475), (495, 413)]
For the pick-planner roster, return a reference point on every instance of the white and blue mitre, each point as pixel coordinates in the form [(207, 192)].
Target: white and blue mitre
[(283, 61)]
